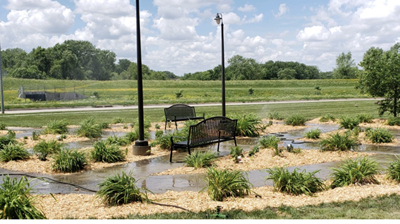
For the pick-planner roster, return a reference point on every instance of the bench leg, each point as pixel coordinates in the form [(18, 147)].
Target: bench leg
[(176, 126), (189, 150), (165, 125), (170, 157), (218, 147)]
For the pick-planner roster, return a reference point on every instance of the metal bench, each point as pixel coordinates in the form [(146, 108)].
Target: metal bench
[(209, 131), (180, 112)]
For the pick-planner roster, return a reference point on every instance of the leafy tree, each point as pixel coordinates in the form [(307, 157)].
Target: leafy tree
[(345, 67), (287, 73), (381, 77), (241, 68)]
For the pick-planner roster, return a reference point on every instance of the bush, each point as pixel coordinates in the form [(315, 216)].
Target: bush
[(117, 140), (393, 170), (8, 139), (56, 127), (13, 152), (349, 122), (117, 120), (365, 118), (255, 149), (235, 152), (16, 201), (43, 148), (200, 159), (295, 182), (132, 136), (328, 117), (35, 135), (247, 125), (225, 183), (393, 121), (357, 171), (69, 161), (337, 142), (104, 125), (313, 134), (379, 135), (120, 189), (270, 141), (295, 120), (89, 129), (275, 116), (3, 126), (107, 153)]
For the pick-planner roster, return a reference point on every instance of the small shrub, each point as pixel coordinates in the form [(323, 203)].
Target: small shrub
[(132, 136), (328, 117), (35, 135), (393, 121), (16, 201), (120, 189), (247, 125), (295, 120), (270, 141), (69, 161), (355, 171), (159, 133), (117, 140), (88, 128), (179, 94), (313, 134), (96, 95), (8, 139), (251, 91), (255, 149), (365, 118), (235, 152), (3, 126), (45, 148), (157, 126), (56, 127), (107, 153), (275, 116), (349, 122), (225, 183), (393, 170), (104, 125), (337, 142), (379, 135), (13, 152), (164, 140), (200, 159), (117, 120), (295, 182)]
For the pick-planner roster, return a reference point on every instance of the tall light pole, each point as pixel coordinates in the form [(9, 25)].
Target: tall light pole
[(1, 85), (219, 20), (141, 146)]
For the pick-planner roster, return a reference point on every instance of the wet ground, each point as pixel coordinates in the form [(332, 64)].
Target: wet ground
[(87, 182)]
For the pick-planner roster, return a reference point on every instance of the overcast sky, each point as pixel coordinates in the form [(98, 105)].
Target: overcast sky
[(181, 36)]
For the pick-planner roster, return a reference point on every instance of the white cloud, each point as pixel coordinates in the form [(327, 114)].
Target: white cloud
[(282, 10), (247, 8), (314, 33)]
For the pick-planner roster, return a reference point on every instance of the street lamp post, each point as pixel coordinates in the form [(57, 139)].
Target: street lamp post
[(141, 146), (219, 20), (1, 85)]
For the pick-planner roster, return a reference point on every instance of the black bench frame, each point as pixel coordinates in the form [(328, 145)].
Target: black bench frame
[(180, 112), (212, 130)]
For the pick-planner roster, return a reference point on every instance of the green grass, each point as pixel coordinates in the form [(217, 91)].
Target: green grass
[(13, 152), (56, 127), (107, 153), (349, 122), (89, 128), (270, 141), (247, 124), (393, 171), (295, 120), (69, 161), (45, 148), (199, 159), (338, 142), (379, 135), (313, 134), (16, 201)]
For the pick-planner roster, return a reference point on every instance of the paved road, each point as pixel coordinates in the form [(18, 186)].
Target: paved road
[(135, 107)]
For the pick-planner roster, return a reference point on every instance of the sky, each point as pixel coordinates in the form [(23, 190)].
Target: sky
[(182, 36)]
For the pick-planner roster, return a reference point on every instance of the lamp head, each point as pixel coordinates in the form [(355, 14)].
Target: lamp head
[(218, 18)]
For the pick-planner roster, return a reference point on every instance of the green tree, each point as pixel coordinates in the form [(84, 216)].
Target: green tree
[(381, 77), (241, 68), (287, 73), (345, 67)]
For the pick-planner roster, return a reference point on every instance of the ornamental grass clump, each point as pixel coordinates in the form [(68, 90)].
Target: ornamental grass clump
[(379, 135), (365, 118), (328, 117), (393, 121), (45, 148), (200, 159), (235, 152), (393, 170), (56, 127), (3, 126), (269, 141), (313, 134), (88, 128), (247, 125), (121, 141), (107, 153), (121, 189), (295, 120), (9, 138), (16, 201), (13, 152), (69, 161), (338, 142), (295, 182), (355, 171), (348, 122), (226, 183), (275, 116)]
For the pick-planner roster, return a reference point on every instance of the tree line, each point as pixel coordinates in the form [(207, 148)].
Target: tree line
[(80, 60)]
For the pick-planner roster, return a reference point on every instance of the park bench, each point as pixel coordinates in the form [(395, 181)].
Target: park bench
[(209, 131), (180, 112)]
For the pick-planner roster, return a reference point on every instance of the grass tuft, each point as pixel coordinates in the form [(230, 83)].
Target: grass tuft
[(338, 142), (295, 120), (56, 127), (13, 152), (69, 161), (200, 159), (107, 153)]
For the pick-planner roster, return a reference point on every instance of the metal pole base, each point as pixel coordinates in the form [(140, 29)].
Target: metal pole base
[(141, 148)]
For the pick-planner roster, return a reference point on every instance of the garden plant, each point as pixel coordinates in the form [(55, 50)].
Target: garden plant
[(69, 161), (199, 159), (107, 153), (45, 148), (338, 142)]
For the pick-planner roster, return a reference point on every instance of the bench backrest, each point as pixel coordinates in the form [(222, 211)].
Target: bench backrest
[(179, 111), (212, 129)]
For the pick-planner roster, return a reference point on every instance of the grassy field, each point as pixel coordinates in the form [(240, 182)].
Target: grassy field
[(165, 91), (307, 110)]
